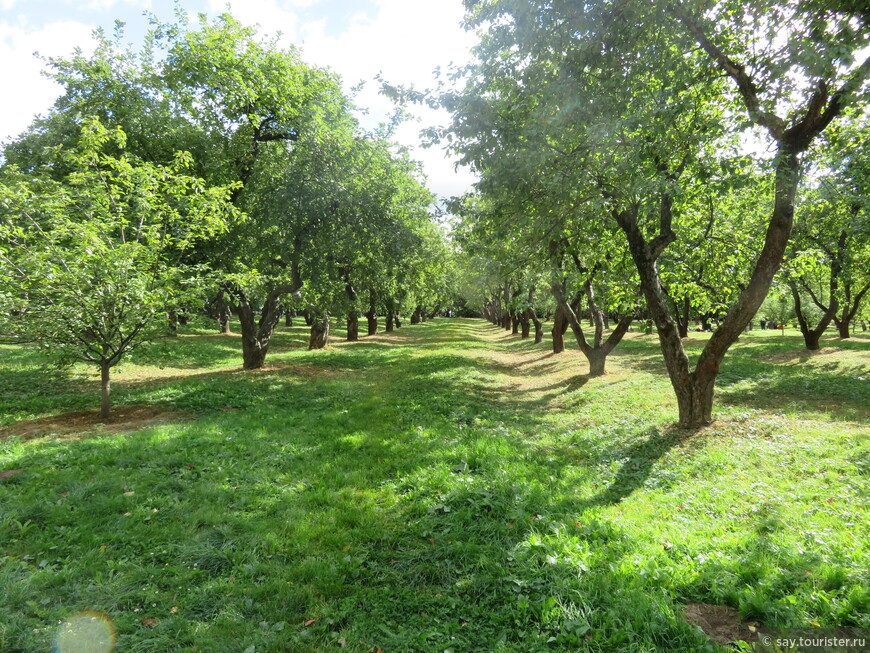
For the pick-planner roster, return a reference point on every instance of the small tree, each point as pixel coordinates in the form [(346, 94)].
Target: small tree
[(89, 261)]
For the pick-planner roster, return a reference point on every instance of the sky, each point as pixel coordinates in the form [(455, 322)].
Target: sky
[(402, 40)]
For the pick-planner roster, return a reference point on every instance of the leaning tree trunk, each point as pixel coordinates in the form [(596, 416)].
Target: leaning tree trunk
[(319, 337)]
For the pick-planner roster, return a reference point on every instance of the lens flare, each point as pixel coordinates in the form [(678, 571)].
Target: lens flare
[(85, 632)]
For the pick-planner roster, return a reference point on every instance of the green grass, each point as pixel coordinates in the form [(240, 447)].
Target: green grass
[(448, 487)]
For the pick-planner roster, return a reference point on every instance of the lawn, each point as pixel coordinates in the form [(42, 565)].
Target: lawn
[(448, 487)]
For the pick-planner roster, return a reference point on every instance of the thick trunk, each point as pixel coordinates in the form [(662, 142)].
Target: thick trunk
[(842, 328), (308, 317), (560, 326), (253, 353), (417, 315), (352, 326), (506, 320), (372, 323), (515, 323), (256, 334), (319, 332), (525, 323), (389, 318), (398, 321), (288, 319), (105, 389)]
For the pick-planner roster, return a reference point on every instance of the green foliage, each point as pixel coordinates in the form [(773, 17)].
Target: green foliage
[(91, 260)]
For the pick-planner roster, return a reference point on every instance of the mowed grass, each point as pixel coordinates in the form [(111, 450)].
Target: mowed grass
[(448, 487)]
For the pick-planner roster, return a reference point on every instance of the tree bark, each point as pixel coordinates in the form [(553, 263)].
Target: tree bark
[(597, 352), (525, 324), (560, 326), (812, 336), (319, 337), (539, 327), (372, 315), (105, 389), (222, 312), (352, 326), (515, 322), (288, 318)]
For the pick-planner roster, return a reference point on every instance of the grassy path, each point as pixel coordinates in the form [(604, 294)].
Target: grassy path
[(444, 487)]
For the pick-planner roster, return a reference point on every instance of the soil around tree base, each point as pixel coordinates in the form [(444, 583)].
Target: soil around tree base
[(83, 423)]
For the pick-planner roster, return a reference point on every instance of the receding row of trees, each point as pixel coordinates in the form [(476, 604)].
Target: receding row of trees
[(656, 150), (208, 168)]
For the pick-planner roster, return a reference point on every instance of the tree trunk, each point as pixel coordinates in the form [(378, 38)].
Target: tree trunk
[(694, 389), (224, 315), (372, 315), (560, 326), (416, 316), (398, 321), (842, 328), (105, 389), (256, 335), (308, 317), (539, 327), (389, 317), (525, 324), (319, 332), (683, 324), (288, 319), (352, 326), (596, 353), (173, 323), (515, 323), (812, 336)]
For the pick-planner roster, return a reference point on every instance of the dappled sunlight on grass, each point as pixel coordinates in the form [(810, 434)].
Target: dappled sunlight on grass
[(445, 485)]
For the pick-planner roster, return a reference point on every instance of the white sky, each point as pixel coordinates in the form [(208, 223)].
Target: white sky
[(403, 40)]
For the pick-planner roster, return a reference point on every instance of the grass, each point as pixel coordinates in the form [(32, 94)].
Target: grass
[(447, 487)]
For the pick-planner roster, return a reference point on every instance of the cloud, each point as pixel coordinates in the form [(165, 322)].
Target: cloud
[(268, 14), (28, 93), (405, 42)]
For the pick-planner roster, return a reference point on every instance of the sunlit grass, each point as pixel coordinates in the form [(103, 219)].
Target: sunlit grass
[(446, 486)]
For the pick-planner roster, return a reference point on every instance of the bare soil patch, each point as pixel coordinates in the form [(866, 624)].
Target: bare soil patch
[(76, 424), (720, 623)]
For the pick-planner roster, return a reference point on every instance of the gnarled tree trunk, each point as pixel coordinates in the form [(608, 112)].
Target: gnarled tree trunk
[(319, 336)]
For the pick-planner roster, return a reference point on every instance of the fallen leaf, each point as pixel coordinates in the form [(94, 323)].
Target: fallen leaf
[(129, 494), (149, 622), (173, 609), (310, 621)]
